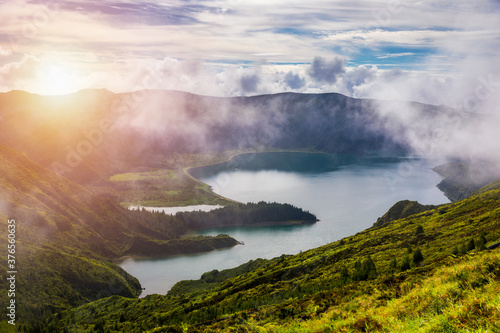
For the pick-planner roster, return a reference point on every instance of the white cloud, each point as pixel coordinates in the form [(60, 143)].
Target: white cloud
[(4, 52), (395, 55), (233, 47), (19, 73)]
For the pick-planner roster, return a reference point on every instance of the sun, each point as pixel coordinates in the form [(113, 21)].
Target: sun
[(56, 79)]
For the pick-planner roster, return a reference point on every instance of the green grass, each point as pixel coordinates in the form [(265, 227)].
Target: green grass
[(170, 184), (162, 188), (8, 328), (462, 296), (143, 176), (320, 290)]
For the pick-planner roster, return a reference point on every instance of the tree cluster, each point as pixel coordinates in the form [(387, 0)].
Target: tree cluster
[(245, 215)]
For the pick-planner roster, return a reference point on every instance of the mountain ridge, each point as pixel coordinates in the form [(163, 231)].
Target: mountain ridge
[(92, 135)]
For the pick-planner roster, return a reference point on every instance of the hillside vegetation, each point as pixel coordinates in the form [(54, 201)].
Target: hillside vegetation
[(402, 209), (84, 153), (428, 272), (250, 214), (68, 237)]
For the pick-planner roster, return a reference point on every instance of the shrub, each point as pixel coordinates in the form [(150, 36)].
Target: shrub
[(419, 230), (471, 246), (417, 257), (405, 265)]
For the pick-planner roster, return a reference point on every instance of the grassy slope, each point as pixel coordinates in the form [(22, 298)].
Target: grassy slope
[(161, 188), (60, 246), (66, 237), (402, 209), (172, 184), (317, 290)]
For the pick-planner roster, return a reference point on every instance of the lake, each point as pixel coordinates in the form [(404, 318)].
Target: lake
[(346, 193)]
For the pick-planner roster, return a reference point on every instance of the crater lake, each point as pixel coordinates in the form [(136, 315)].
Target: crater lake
[(346, 193)]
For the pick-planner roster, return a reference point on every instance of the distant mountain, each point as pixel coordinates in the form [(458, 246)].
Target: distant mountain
[(462, 179), (93, 134)]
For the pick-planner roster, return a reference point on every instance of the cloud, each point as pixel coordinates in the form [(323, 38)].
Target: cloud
[(354, 78), (395, 55), (221, 47), (249, 83), (294, 81), (4, 52), (323, 70), (141, 12), (16, 73), (401, 37)]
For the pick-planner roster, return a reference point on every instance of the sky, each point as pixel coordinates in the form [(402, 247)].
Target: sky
[(437, 52)]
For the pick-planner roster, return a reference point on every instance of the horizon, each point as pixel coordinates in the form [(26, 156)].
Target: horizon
[(237, 96), (434, 53)]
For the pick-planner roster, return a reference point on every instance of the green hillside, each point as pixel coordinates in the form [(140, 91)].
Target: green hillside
[(427, 272), (68, 238), (84, 153)]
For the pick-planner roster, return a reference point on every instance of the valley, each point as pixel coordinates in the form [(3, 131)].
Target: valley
[(71, 195)]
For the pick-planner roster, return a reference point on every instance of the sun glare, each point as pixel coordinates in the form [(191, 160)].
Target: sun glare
[(56, 80)]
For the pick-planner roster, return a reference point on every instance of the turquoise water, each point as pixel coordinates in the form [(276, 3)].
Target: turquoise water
[(346, 193)]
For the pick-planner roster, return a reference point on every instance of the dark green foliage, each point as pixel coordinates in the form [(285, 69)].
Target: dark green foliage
[(471, 245), (167, 224), (393, 265), (99, 326), (170, 329), (188, 245), (214, 278), (402, 209), (481, 243), (417, 257), (365, 270), (419, 230), (406, 264), (345, 277), (250, 214)]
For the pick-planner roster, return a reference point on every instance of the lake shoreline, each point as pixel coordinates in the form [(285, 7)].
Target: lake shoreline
[(261, 224), (369, 180), (187, 170), (121, 259)]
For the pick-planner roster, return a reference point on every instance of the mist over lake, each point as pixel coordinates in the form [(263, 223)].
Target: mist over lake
[(346, 193)]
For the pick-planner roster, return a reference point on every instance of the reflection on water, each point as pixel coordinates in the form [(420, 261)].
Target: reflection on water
[(347, 194)]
